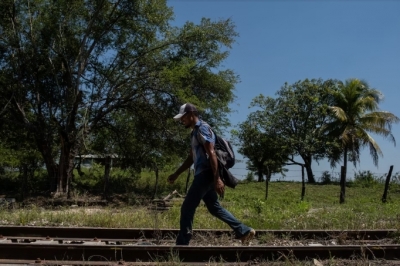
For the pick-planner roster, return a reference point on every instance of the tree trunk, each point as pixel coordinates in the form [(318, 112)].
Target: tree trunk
[(307, 165), (310, 175), (51, 166), (107, 169), (267, 179), (343, 178), (61, 174), (156, 185), (64, 170), (24, 181), (260, 175), (387, 184), (303, 183), (70, 173), (342, 184), (66, 165)]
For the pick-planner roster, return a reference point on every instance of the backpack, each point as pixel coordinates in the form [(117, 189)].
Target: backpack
[(226, 160), (224, 150)]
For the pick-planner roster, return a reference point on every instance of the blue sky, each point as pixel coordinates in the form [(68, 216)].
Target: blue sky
[(287, 41)]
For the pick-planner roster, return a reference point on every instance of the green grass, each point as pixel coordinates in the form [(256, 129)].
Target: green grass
[(319, 210), (283, 209)]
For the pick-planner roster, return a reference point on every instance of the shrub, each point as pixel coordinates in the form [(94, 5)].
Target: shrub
[(396, 178), (365, 179), (325, 178), (250, 177)]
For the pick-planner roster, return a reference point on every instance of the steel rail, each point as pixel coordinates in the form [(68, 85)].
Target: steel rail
[(61, 240), (38, 262), (135, 233), (88, 251), (147, 241)]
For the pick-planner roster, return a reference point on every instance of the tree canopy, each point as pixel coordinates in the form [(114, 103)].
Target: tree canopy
[(75, 70), (294, 119), (261, 142), (313, 120), (355, 114)]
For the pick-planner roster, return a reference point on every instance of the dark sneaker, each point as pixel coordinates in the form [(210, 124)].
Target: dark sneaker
[(247, 237)]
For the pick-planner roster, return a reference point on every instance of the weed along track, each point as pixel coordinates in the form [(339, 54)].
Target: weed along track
[(101, 245)]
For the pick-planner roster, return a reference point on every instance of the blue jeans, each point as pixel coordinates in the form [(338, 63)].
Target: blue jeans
[(202, 188)]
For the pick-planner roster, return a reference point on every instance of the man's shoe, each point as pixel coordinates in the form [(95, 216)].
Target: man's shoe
[(247, 237)]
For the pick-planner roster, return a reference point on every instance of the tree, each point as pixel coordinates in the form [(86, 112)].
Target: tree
[(296, 115), (17, 152), (355, 113), (259, 145), (71, 67)]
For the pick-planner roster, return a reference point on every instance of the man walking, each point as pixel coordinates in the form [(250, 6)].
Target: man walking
[(207, 182)]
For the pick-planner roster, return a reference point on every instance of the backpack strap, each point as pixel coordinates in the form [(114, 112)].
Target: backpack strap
[(197, 133), (220, 160)]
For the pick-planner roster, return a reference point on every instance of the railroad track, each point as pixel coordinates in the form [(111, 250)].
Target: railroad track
[(50, 245)]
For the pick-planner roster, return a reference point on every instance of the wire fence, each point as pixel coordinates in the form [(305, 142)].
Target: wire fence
[(319, 175)]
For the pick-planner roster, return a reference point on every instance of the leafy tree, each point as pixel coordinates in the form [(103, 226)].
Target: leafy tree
[(259, 145), (18, 154), (71, 68), (296, 116), (355, 112)]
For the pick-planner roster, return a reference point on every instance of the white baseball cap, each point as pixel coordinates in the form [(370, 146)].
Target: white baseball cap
[(187, 107)]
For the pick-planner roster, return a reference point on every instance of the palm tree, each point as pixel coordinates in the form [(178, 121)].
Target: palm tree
[(356, 113)]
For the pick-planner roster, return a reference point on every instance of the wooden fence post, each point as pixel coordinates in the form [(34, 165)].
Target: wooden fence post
[(342, 184), (157, 178), (267, 179), (303, 183), (107, 168), (387, 184)]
